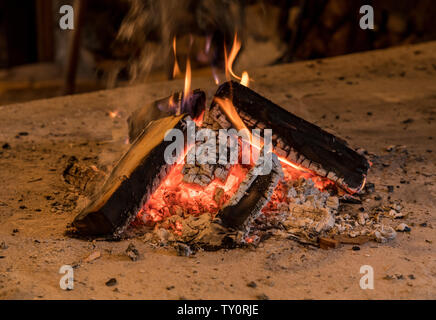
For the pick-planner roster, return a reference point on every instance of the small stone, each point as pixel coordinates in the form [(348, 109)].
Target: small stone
[(395, 214), (402, 227), (6, 146), (111, 282), (369, 187), (262, 296), (355, 248), (411, 277), (252, 284), (170, 288), (390, 189), (390, 148), (3, 245), (132, 252), (183, 250)]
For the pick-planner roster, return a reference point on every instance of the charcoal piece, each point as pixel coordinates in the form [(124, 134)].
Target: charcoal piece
[(135, 177), (326, 153), (250, 198)]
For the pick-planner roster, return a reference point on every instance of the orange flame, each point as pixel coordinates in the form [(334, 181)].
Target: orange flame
[(229, 60), (176, 70), (232, 114), (232, 56), (187, 90), (245, 81)]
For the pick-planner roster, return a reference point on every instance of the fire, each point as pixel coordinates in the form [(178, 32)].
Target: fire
[(232, 114), (229, 60), (114, 114), (187, 90), (176, 197), (176, 69), (215, 76), (245, 81)]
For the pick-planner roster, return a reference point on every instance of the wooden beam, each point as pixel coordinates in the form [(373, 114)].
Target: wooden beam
[(45, 30), (74, 47)]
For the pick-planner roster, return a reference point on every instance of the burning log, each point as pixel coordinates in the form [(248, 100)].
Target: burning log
[(234, 220), (172, 105), (253, 194), (298, 140), (136, 176)]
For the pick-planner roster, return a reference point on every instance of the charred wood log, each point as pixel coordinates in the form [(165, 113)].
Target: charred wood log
[(253, 194), (135, 177), (172, 105), (298, 140)]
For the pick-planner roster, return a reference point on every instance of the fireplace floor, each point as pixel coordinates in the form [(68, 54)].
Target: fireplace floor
[(380, 101)]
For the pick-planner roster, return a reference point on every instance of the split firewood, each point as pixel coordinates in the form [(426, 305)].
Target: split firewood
[(131, 182), (253, 194), (298, 140)]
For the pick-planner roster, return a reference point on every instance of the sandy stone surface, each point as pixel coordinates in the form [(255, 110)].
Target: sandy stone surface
[(374, 100)]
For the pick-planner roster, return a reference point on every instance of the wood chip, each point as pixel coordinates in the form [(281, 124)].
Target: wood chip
[(327, 243), (93, 256)]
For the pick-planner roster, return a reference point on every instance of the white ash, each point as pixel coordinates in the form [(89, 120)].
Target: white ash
[(190, 227), (304, 192), (204, 174), (307, 212), (384, 234), (402, 227)]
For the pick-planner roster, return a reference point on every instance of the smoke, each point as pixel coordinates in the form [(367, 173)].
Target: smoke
[(149, 27)]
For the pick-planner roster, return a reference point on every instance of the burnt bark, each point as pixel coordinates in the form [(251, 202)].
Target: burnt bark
[(135, 177), (253, 194), (299, 140)]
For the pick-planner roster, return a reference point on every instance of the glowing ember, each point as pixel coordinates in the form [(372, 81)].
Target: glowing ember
[(176, 197)]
